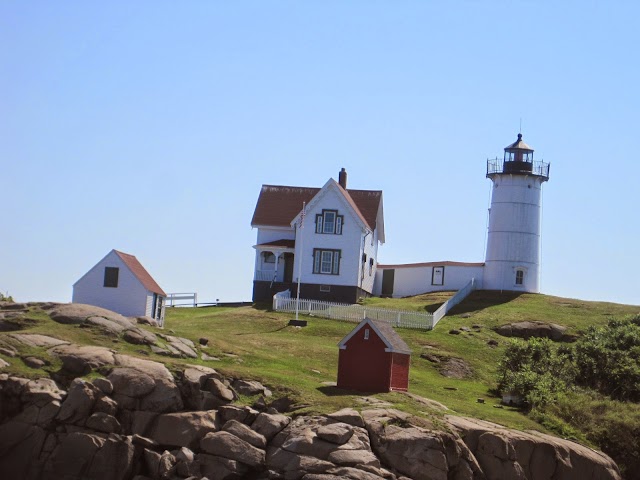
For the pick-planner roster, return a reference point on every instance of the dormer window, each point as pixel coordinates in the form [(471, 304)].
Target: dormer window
[(329, 222)]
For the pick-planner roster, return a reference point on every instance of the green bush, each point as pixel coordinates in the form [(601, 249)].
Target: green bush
[(608, 359), (535, 370)]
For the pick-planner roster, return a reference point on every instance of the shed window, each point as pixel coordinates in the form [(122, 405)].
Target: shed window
[(111, 277), (366, 334)]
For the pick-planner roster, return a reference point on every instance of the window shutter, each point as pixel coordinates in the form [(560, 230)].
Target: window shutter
[(339, 225), (316, 261), (318, 223), (336, 262)]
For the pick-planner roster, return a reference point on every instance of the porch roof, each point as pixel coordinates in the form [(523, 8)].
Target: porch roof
[(282, 244)]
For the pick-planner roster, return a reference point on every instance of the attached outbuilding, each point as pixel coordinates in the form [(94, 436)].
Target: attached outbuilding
[(373, 358), (120, 283)]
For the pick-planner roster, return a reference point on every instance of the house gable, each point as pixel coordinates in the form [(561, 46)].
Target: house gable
[(345, 198)]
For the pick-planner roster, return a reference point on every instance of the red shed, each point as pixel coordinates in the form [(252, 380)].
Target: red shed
[(373, 358)]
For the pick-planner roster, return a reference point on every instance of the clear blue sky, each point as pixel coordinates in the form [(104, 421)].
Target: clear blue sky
[(149, 127)]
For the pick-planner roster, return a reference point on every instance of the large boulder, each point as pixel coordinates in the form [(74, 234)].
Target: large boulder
[(82, 359), (227, 445), (165, 395), (37, 340), (79, 403), (183, 429), (417, 452), (20, 447), (527, 329), (78, 313), (506, 453), (91, 457)]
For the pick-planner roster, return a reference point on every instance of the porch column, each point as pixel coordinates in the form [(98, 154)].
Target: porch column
[(275, 272)]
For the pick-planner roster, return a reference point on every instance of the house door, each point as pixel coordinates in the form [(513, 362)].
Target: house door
[(387, 282), (288, 267)]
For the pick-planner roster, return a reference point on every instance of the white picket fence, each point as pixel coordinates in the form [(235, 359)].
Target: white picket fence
[(283, 302)]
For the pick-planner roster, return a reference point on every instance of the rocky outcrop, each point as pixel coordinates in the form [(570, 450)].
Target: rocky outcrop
[(137, 419), (526, 330), (505, 453), (108, 428)]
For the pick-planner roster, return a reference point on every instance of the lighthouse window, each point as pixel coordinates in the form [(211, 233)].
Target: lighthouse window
[(519, 277)]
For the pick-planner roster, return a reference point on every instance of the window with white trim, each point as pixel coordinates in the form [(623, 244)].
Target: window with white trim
[(366, 334), (326, 262), (329, 222)]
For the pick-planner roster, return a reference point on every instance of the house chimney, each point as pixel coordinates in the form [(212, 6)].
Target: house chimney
[(342, 178)]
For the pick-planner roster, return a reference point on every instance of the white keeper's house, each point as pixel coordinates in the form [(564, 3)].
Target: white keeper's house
[(335, 253), (120, 283), (332, 248)]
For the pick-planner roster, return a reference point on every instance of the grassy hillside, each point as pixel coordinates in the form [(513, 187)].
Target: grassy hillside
[(254, 342), (299, 361)]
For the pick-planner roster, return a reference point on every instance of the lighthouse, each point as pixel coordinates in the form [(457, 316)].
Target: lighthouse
[(512, 259)]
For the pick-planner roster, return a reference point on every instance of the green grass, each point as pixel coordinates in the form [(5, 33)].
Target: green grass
[(255, 343)]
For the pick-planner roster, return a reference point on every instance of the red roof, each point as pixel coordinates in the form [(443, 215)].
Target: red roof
[(141, 274), (278, 205)]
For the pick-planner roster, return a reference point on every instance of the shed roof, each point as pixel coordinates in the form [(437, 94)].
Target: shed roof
[(278, 205), (140, 272), (385, 331)]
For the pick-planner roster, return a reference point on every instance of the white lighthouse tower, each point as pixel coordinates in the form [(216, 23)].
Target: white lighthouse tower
[(512, 260)]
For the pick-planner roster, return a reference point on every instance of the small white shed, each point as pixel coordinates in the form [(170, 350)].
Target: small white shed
[(120, 283)]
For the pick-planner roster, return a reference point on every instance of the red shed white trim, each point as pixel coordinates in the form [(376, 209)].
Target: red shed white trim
[(373, 358)]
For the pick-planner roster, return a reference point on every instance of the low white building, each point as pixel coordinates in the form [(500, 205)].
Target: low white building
[(410, 279), (333, 250), (120, 283)]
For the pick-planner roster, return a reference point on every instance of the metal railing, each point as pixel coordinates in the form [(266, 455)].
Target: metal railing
[(453, 301), (173, 297), (283, 302), (538, 168), (267, 275)]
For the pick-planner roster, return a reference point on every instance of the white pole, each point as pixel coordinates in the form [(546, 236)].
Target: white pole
[(300, 259)]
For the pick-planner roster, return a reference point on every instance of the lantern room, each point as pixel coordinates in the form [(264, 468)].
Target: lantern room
[(518, 157)]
